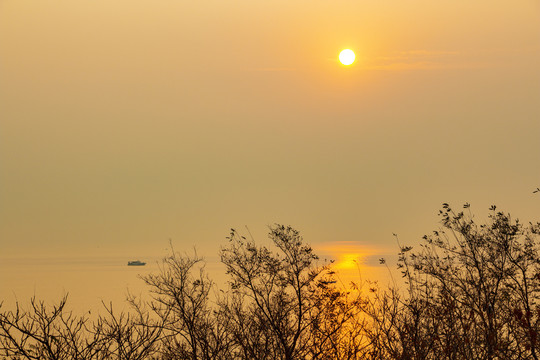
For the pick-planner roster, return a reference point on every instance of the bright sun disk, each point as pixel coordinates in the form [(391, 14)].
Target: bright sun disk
[(346, 57)]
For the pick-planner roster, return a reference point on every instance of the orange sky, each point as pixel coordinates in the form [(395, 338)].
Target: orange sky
[(126, 123)]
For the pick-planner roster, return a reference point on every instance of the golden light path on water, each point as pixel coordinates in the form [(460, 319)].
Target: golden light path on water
[(356, 262)]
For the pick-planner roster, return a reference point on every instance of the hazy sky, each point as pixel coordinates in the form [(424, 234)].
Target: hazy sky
[(124, 123)]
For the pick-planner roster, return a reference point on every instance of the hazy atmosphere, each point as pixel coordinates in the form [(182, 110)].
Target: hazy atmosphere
[(124, 124)]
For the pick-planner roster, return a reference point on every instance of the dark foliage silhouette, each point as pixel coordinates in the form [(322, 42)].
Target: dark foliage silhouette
[(470, 291)]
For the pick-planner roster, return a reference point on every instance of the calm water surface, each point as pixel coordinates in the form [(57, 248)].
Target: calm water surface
[(88, 281)]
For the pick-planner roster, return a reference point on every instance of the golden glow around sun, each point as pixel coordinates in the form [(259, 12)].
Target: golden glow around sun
[(346, 57)]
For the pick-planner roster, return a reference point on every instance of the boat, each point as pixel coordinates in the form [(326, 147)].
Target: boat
[(136, 263)]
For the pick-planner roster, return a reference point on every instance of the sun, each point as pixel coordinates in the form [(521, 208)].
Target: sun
[(346, 57)]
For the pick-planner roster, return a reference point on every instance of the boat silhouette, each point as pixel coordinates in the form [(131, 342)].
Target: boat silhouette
[(136, 263)]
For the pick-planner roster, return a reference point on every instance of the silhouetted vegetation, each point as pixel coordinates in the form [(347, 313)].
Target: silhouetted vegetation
[(471, 291)]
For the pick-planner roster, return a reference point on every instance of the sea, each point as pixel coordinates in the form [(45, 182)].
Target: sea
[(88, 282)]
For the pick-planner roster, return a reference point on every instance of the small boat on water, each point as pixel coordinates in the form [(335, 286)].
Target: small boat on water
[(136, 263)]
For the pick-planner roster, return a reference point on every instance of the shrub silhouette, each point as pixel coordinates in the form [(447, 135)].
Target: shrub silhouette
[(471, 291), (286, 301)]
